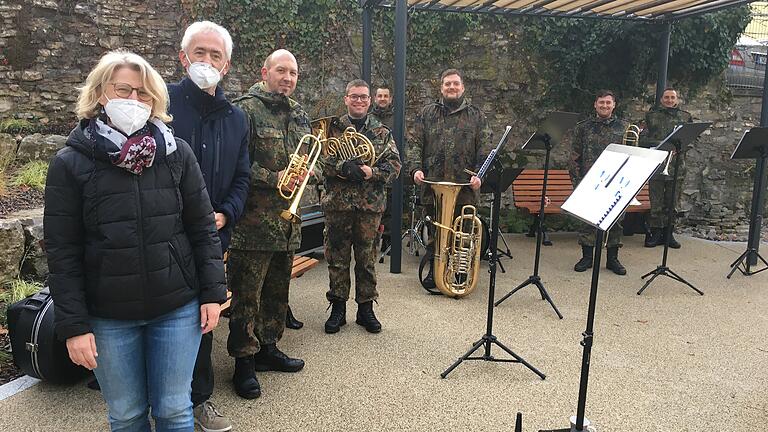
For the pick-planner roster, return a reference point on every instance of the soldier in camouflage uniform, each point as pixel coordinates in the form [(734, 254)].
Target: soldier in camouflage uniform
[(353, 202), (587, 140), (659, 122), (450, 135), (261, 254), (382, 109)]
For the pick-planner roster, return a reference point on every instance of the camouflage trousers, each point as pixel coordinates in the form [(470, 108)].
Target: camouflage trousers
[(587, 235), (259, 282), (660, 193), (346, 231)]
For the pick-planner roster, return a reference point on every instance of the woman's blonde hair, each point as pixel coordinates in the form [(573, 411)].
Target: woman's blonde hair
[(88, 105)]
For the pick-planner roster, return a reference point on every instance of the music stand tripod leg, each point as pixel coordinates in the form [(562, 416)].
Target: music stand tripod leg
[(663, 269)]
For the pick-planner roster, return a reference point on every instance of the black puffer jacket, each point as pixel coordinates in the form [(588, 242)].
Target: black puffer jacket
[(125, 246)]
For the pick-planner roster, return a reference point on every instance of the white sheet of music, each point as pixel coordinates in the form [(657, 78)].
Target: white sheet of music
[(612, 183)]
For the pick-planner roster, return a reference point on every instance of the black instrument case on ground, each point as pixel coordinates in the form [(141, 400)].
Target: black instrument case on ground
[(36, 350)]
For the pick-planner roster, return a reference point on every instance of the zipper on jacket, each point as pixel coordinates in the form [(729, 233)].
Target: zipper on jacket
[(140, 231), (184, 273)]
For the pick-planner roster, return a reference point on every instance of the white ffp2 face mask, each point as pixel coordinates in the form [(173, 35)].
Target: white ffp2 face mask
[(128, 115), (204, 75)]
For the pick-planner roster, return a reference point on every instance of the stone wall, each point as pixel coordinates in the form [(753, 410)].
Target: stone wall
[(47, 48)]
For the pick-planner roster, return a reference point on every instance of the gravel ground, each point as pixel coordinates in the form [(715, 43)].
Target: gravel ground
[(668, 360)]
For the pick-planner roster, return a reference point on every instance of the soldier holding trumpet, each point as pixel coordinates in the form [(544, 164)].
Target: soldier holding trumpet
[(261, 256)]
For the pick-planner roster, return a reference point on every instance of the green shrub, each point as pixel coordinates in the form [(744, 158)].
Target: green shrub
[(17, 290), (16, 126), (32, 174)]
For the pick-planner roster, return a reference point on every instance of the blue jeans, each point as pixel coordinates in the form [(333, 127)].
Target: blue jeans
[(148, 363)]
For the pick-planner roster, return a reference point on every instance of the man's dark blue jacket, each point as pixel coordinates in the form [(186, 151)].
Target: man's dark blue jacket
[(217, 131)]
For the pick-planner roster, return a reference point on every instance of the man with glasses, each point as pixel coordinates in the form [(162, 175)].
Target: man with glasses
[(217, 131), (353, 202), (450, 135), (261, 255)]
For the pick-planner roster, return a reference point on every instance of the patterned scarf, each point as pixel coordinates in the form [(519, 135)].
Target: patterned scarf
[(137, 153), (134, 153)]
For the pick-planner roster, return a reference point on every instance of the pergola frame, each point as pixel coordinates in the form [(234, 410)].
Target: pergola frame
[(663, 12)]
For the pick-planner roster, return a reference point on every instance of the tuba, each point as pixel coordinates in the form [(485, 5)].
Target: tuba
[(299, 165), (457, 242)]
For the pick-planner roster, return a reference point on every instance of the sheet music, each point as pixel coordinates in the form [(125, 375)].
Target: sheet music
[(612, 183)]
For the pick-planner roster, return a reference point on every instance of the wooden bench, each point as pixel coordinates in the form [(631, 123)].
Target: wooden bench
[(526, 190), (301, 265)]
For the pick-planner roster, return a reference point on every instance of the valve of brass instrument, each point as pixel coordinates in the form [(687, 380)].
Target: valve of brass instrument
[(296, 175)]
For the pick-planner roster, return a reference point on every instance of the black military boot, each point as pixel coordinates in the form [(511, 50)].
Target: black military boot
[(244, 379), (654, 238), (673, 243), (586, 259), (429, 280), (366, 318), (338, 317), (291, 322), (612, 263), (269, 358)]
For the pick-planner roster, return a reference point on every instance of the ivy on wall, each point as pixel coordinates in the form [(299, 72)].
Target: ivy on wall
[(569, 59), (308, 28), (578, 57)]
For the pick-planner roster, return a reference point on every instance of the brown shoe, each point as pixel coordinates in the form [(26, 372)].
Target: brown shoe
[(209, 419)]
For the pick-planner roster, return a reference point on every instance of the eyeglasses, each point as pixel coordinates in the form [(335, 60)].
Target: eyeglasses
[(356, 97), (125, 91)]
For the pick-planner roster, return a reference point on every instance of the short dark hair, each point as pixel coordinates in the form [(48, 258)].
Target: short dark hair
[(384, 87), (603, 93), (357, 83), (671, 89), (448, 72)]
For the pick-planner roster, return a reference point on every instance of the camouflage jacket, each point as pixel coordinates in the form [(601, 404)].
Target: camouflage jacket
[(277, 123), (445, 143), (385, 115), (368, 196), (588, 139), (659, 122)]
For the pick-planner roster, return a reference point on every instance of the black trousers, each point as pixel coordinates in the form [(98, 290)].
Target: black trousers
[(202, 377)]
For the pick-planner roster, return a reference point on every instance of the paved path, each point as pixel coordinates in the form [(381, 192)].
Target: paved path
[(669, 360)]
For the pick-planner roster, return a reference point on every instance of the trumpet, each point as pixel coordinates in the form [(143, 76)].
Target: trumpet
[(299, 166), (631, 135)]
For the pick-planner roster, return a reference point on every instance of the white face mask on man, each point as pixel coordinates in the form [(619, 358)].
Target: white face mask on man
[(127, 115), (204, 75)]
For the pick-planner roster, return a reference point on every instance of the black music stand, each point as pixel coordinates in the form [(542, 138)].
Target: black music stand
[(503, 180), (488, 187), (551, 132), (600, 199), (753, 145), (681, 136)]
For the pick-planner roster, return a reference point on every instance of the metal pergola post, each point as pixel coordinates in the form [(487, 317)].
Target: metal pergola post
[(367, 45), (758, 198), (661, 79), (396, 221)]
